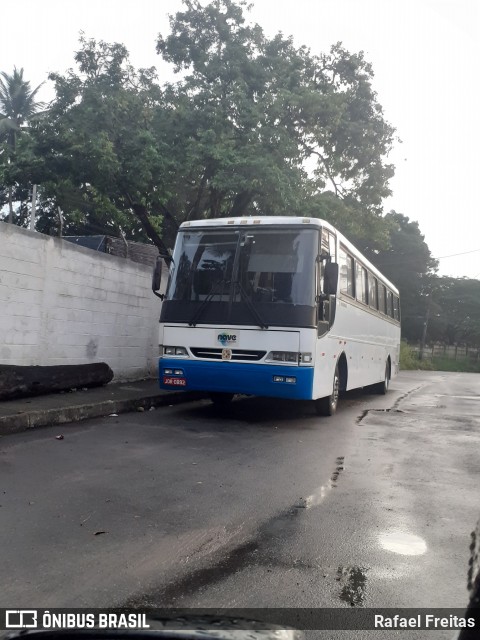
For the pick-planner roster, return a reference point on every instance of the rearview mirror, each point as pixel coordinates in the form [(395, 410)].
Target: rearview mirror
[(330, 279), (157, 274)]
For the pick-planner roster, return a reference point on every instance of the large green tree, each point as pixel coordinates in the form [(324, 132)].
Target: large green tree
[(104, 163), (254, 125), (253, 113), (455, 311), (408, 263)]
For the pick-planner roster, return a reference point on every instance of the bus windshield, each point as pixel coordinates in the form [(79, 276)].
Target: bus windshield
[(267, 267)]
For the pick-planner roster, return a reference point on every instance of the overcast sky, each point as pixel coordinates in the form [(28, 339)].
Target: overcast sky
[(425, 56)]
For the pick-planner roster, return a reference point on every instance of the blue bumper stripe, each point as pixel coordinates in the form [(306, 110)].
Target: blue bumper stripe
[(238, 377)]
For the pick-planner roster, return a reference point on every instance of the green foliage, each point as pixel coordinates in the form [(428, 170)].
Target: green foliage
[(232, 136), (18, 106), (408, 263), (466, 365), (408, 358), (239, 144), (409, 361), (366, 229), (250, 111), (455, 311), (102, 158)]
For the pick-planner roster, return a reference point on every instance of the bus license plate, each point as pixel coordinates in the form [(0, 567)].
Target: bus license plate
[(177, 382)]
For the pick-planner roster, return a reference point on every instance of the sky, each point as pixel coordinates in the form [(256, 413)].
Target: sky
[(424, 55)]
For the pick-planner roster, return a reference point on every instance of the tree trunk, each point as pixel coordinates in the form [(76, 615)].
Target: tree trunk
[(20, 382), (142, 214), (240, 204)]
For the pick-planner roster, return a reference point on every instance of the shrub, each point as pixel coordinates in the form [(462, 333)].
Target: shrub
[(408, 359)]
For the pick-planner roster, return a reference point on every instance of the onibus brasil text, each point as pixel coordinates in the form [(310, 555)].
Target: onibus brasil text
[(50, 620)]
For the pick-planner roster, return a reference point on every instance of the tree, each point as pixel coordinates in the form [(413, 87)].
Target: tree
[(251, 111), (103, 159), (17, 106), (457, 311), (368, 231), (408, 263), (231, 137)]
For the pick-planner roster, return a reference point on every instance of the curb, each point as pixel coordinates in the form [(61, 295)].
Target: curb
[(20, 422)]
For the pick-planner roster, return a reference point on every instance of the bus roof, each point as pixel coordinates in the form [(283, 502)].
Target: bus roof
[(289, 220)]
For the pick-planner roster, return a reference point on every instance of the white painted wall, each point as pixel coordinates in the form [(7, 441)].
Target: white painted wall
[(64, 304)]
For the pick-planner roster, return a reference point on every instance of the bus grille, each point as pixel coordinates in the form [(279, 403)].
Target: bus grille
[(237, 354)]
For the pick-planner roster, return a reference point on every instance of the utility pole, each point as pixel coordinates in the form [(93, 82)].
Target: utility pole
[(425, 327)]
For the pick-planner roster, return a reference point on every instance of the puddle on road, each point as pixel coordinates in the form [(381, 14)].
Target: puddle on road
[(406, 544), (263, 550)]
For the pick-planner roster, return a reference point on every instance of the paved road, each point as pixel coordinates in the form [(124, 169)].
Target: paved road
[(263, 504)]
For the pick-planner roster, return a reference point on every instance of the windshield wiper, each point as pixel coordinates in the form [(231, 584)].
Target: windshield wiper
[(245, 297), (243, 294), (213, 291)]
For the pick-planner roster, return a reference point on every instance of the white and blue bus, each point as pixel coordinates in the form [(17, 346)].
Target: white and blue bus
[(275, 306)]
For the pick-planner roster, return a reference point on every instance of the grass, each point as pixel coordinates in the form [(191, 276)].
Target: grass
[(410, 361), (466, 365)]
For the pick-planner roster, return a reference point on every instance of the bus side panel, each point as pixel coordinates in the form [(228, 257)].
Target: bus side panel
[(366, 339), (327, 351)]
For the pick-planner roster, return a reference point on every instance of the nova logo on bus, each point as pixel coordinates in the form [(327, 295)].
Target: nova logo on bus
[(225, 338)]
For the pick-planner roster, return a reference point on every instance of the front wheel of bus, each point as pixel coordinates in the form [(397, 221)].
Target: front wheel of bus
[(327, 406)]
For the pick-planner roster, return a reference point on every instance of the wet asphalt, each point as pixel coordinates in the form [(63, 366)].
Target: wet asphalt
[(262, 504)]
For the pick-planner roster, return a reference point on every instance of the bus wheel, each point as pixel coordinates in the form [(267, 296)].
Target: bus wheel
[(327, 406), (382, 387), (221, 399)]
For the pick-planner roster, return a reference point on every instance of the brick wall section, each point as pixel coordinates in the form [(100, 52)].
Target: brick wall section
[(64, 304)]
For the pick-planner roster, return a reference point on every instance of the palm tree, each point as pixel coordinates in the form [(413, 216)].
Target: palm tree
[(17, 106)]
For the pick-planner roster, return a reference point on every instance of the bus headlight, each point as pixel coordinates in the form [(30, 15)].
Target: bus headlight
[(175, 351), (283, 356)]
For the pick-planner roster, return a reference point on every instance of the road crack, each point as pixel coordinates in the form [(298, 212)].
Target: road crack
[(393, 409)]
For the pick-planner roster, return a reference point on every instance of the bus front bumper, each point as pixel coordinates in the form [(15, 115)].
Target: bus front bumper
[(236, 377)]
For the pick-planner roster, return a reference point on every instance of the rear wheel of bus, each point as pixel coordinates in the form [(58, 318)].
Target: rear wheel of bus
[(327, 406), (382, 387)]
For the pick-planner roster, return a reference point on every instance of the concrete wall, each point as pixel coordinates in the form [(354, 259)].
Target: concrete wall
[(64, 304)]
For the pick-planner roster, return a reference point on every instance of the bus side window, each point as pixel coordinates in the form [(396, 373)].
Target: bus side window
[(390, 304), (346, 273), (381, 297), (325, 246), (332, 247), (396, 308), (372, 291), (361, 285)]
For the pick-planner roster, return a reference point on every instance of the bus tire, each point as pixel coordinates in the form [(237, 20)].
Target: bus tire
[(221, 399), (328, 406), (382, 387)]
